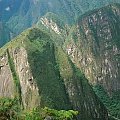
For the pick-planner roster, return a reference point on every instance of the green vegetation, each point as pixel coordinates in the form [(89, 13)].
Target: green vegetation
[(41, 56), (111, 103), (53, 114), (10, 110), (64, 64), (61, 114)]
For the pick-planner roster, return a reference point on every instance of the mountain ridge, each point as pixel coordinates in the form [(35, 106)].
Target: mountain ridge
[(53, 80)]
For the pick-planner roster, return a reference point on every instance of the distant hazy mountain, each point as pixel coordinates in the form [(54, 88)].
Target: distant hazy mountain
[(8, 8), (5, 34)]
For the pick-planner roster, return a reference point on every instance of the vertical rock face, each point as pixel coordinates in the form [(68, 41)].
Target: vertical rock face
[(6, 79), (9, 78), (95, 47), (29, 90)]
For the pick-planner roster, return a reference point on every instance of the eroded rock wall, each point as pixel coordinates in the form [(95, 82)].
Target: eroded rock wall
[(28, 87), (6, 79), (95, 47)]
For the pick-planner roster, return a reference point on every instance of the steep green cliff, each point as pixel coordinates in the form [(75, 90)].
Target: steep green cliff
[(46, 76), (94, 46)]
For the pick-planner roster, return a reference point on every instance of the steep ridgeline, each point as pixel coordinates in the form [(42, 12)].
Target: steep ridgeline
[(55, 26), (43, 75), (94, 46), (69, 10)]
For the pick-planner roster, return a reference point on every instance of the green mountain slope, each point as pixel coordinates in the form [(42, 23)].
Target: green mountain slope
[(46, 76), (94, 46), (66, 67)]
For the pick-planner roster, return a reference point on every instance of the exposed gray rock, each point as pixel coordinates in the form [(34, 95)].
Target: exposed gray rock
[(6, 79)]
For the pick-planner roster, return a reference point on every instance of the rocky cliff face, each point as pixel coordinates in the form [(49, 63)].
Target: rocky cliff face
[(16, 77), (28, 87), (43, 74), (94, 46), (7, 84)]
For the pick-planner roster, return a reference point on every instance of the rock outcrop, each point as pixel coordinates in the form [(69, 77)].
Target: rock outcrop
[(6, 79)]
